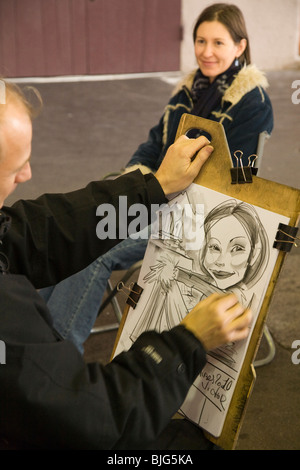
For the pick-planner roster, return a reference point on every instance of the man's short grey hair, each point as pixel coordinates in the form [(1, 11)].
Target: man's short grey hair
[(28, 98)]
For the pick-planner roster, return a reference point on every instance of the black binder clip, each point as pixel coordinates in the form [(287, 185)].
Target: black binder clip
[(243, 174), (135, 292), (251, 161), (285, 238)]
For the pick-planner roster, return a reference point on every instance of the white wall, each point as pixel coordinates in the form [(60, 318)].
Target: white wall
[(273, 29)]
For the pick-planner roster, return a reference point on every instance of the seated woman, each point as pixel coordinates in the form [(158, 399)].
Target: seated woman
[(225, 88)]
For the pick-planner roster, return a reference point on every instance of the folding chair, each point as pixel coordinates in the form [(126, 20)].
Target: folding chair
[(262, 139)]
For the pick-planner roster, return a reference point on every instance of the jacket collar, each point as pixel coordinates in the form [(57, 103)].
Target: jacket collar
[(248, 78)]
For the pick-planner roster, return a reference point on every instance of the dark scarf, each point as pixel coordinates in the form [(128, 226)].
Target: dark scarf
[(207, 96)]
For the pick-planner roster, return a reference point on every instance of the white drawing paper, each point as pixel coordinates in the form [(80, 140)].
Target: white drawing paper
[(208, 242)]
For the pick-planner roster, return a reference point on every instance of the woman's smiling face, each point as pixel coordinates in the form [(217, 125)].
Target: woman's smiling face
[(215, 49), (227, 252)]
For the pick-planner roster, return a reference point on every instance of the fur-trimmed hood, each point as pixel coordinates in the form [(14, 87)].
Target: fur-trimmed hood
[(248, 78)]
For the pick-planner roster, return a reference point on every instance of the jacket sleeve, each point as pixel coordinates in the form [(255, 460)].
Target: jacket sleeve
[(251, 116), (149, 152), (50, 398), (55, 235)]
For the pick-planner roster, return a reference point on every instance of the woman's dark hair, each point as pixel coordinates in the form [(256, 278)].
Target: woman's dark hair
[(233, 20)]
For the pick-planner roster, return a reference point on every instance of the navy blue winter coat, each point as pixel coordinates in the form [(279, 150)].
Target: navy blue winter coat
[(245, 112)]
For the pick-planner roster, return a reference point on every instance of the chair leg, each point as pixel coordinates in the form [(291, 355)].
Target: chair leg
[(111, 298), (269, 358), (115, 304), (117, 312), (104, 329)]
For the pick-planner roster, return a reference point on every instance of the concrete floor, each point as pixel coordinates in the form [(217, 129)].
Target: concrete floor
[(88, 129)]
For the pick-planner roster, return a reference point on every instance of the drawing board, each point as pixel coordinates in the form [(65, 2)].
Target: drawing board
[(214, 237)]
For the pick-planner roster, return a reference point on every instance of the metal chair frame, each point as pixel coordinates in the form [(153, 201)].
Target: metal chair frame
[(111, 299)]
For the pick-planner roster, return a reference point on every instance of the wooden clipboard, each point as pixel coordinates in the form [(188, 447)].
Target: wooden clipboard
[(216, 174)]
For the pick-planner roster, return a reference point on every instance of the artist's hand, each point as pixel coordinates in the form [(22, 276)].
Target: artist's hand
[(182, 163), (217, 320)]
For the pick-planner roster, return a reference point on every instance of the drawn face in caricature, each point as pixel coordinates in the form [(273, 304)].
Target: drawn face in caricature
[(227, 252)]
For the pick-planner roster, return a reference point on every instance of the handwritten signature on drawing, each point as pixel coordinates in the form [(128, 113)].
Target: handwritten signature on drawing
[(215, 386)]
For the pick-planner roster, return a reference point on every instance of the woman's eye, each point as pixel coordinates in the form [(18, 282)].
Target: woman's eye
[(214, 248), (237, 248)]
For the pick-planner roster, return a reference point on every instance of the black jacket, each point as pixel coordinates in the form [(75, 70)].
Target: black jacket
[(49, 398)]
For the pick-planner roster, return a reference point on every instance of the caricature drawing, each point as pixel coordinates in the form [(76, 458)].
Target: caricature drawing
[(233, 253), (232, 259)]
